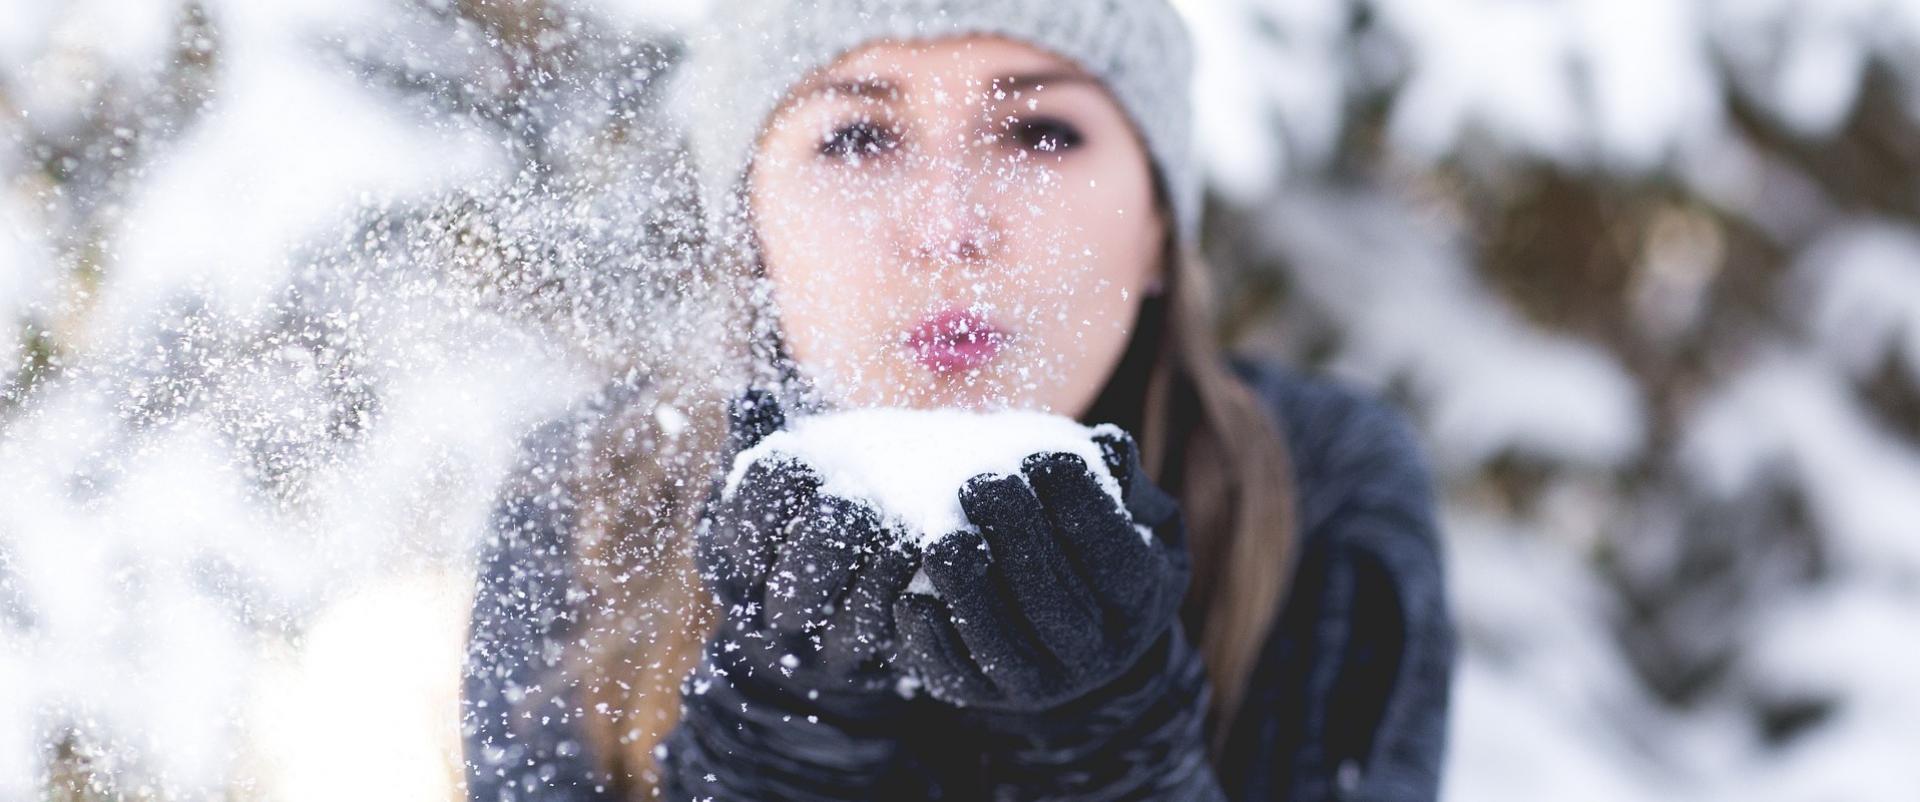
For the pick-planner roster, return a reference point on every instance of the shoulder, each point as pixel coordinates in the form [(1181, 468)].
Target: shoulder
[(1349, 447), (527, 542), (524, 612), (1352, 687), (560, 443)]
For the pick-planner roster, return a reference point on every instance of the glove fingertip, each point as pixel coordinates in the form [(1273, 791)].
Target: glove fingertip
[(989, 498), (791, 471), (778, 473), (1052, 472), (787, 482), (1119, 450), (1051, 460), (893, 564), (753, 415), (984, 485)]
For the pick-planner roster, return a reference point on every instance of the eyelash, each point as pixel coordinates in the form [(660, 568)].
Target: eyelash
[(857, 140), (1045, 134)]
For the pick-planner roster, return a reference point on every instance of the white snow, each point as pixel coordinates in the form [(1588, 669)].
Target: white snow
[(1804, 60), (208, 639), (25, 281), (1240, 85), (1616, 82), (312, 704), (682, 15), (1862, 282), (1489, 380), (290, 149), (1855, 641), (1786, 411), (63, 47), (1492, 67), (911, 463)]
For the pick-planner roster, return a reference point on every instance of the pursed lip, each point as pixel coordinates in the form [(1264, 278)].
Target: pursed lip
[(954, 340)]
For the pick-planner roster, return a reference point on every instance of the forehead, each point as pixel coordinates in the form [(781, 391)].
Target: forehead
[(952, 64)]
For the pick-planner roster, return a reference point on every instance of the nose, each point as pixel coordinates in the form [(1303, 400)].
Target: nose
[(950, 217)]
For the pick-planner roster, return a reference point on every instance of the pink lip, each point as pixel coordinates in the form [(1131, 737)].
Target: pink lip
[(954, 340)]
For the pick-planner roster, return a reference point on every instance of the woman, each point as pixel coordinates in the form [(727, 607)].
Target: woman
[(985, 204)]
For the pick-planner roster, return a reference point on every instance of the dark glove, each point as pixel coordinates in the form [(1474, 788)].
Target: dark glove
[(794, 697), (1056, 633)]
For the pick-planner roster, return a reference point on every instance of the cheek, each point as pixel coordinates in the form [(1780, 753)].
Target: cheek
[(822, 251), (1086, 313), (806, 213), (825, 305), (1082, 331), (1091, 237), (1098, 206), (1078, 301), (1091, 260)]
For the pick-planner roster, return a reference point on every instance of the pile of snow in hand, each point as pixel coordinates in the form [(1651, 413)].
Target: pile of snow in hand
[(910, 464)]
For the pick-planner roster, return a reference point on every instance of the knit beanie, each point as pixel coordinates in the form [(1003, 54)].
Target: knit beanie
[(752, 52)]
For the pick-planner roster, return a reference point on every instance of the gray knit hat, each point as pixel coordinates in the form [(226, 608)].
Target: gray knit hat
[(751, 52)]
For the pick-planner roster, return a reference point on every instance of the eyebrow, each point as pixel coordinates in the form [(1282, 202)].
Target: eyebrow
[(875, 88), (1039, 80), (883, 89)]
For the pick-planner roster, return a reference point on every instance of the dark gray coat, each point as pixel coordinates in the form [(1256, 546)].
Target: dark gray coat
[(1348, 700)]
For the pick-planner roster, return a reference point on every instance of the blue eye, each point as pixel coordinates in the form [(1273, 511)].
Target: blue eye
[(858, 140), (1045, 134)]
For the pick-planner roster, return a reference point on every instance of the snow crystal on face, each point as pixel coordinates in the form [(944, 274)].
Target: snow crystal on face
[(910, 464)]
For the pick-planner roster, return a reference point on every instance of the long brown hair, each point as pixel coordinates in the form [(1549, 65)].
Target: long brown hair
[(644, 616)]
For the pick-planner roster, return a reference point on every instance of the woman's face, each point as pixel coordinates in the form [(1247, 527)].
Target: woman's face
[(966, 222)]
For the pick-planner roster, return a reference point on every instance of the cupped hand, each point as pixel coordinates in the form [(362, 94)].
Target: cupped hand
[(806, 581), (1061, 590)]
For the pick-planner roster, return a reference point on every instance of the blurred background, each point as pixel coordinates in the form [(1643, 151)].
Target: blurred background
[(282, 283)]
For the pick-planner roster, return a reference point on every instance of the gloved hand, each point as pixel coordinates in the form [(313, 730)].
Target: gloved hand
[(807, 580), (794, 697), (1056, 634), (1056, 594)]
